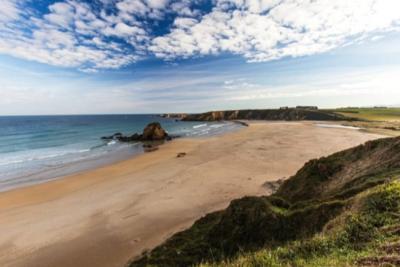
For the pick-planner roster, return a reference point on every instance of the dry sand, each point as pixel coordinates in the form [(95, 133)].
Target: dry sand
[(105, 216)]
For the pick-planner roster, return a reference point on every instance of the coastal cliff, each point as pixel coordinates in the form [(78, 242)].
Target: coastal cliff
[(340, 210), (286, 114)]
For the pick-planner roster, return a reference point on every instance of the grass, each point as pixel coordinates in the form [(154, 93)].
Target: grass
[(361, 238), (371, 114), (385, 121)]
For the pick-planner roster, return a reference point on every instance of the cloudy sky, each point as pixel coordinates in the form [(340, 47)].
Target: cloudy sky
[(150, 56)]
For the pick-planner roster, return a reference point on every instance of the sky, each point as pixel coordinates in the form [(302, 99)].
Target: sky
[(154, 56)]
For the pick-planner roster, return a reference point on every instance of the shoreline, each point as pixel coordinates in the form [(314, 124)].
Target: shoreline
[(72, 168), (108, 215), (124, 151)]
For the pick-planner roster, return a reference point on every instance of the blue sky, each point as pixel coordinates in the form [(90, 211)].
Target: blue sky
[(150, 56)]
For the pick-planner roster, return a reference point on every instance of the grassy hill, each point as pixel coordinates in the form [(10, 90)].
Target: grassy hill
[(378, 120), (371, 114), (340, 210), (377, 114)]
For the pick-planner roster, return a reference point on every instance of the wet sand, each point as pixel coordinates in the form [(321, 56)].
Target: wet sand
[(104, 217)]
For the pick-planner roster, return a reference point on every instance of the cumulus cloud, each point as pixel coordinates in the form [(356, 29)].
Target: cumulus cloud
[(115, 33), (89, 36), (72, 34), (9, 10), (263, 30)]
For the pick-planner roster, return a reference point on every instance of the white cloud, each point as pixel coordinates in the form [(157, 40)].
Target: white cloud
[(263, 30), (158, 4), (62, 14), (332, 90), (73, 35), (9, 10), (120, 32)]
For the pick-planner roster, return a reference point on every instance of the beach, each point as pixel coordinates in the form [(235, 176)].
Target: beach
[(106, 216)]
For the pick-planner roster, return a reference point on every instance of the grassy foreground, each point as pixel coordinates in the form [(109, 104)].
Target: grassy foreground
[(367, 237), (341, 210)]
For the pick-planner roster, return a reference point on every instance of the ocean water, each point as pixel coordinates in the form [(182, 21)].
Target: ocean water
[(35, 149)]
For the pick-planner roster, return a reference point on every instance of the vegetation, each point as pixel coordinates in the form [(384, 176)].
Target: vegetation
[(366, 237), (377, 120), (341, 210), (286, 114), (371, 114), (381, 120)]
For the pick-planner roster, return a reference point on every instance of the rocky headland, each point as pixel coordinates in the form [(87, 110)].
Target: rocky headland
[(283, 114)]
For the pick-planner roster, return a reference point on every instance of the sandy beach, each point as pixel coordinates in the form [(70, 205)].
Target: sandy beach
[(106, 216)]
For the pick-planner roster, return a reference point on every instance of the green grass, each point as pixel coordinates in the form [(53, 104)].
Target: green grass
[(360, 236), (371, 114)]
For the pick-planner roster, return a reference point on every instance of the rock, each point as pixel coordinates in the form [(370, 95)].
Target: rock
[(174, 115), (112, 137), (154, 131), (150, 148), (181, 155), (147, 145), (132, 138)]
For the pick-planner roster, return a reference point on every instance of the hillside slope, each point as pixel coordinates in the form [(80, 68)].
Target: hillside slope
[(339, 210), (290, 114)]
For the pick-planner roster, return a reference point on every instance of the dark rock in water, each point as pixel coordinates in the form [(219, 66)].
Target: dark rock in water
[(132, 138), (112, 137), (127, 138), (154, 131)]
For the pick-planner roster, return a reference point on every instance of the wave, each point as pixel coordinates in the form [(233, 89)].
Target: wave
[(23, 157), (199, 126), (24, 161), (337, 126), (112, 142), (217, 126)]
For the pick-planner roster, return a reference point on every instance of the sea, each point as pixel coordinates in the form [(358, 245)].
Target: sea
[(36, 149)]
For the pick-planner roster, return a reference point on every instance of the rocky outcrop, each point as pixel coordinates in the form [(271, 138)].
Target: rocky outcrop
[(289, 114), (112, 137), (173, 115), (152, 132)]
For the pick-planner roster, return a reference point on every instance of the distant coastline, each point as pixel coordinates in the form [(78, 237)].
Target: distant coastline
[(282, 114)]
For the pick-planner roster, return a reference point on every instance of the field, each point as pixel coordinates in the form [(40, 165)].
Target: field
[(380, 120), (371, 114)]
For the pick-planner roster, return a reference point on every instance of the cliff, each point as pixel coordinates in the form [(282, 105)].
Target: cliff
[(289, 114)]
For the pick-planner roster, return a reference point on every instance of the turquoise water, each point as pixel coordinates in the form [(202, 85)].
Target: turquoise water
[(35, 149)]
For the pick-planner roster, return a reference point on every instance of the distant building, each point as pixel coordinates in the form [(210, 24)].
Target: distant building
[(284, 108), (307, 107)]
